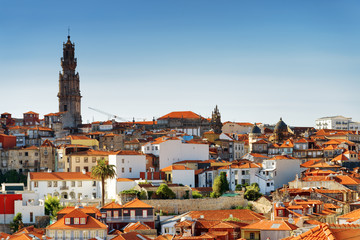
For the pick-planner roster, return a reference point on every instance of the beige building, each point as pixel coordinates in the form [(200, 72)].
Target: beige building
[(85, 160), (24, 159), (47, 156), (63, 157)]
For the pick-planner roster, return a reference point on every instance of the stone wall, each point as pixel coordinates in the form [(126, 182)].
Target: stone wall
[(179, 206)]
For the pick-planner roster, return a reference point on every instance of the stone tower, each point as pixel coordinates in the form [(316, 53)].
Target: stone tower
[(69, 88), (215, 122)]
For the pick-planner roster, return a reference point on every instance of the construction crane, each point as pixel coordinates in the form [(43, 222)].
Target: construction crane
[(109, 114)]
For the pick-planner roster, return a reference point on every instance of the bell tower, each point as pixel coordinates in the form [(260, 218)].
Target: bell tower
[(69, 87)]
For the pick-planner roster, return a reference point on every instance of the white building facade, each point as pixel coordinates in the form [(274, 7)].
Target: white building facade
[(172, 150), (337, 122)]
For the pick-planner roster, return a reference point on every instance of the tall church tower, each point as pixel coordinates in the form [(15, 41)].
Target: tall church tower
[(69, 88)]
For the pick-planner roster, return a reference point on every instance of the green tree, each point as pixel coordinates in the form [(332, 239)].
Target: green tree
[(252, 192), (196, 194), (52, 206), (17, 223), (220, 185), (102, 171), (164, 192)]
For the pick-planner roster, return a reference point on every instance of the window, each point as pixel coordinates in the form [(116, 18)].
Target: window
[(77, 159), (72, 183), (108, 214), (79, 183), (252, 235), (122, 170), (26, 154), (93, 233), (31, 216), (116, 214), (36, 154), (148, 148), (145, 212), (49, 184), (101, 234), (85, 159), (85, 234), (76, 234), (94, 159), (55, 183), (268, 184), (103, 215), (20, 153), (130, 169), (67, 220), (45, 152), (52, 233), (77, 169), (67, 234), (83, 221), (36, 184), (122, 160), (76, 221), (94, 183), (156, 148), (59, 234)]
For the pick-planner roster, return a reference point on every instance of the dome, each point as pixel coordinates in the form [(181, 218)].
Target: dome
[(255, 129), (281, 126)]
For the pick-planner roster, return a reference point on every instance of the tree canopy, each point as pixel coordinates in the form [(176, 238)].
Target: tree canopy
[(252, 192), (52, 206), (164, 192), (17, 223), (102, 171), (220, 185)]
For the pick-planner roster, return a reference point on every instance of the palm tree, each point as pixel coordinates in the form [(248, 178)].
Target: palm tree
[(102, 171)]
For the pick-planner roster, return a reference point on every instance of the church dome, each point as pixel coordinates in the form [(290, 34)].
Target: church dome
[(281, 126), (255, 129)]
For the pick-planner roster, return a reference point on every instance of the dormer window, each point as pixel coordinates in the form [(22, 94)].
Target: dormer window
[(76, 220), (67, 221), (83, 221)]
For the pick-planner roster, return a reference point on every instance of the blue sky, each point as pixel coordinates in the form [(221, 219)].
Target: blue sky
[(258, 60)]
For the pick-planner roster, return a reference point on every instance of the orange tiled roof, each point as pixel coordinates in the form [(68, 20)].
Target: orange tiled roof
[(272, 225), (79, 137), (91, 223), (85, 209), (281, 157), (136, 226), (341, 157), (91, 152), (136, 203), (112, 205), (131, 236), (45, 176), (175, 167), (31, 112), (127, 152), (180, 114)]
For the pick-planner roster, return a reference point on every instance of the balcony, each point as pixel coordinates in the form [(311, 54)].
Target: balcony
[(129, 219)]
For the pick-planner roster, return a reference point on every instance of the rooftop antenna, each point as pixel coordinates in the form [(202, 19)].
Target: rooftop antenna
[(68, 30)]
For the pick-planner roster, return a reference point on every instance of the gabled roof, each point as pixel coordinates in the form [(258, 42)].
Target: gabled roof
[(47, 143), (79, 137), (91, 222), (341, 157), (136, 226), (272, 225), (112, 205), (136, 203), (31, 112)]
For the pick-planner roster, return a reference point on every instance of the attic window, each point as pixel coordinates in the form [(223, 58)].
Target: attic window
[(83, 221), (76, 220), (67, 221)]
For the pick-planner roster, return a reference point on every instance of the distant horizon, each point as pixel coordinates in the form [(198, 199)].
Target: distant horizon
[(256, 61)]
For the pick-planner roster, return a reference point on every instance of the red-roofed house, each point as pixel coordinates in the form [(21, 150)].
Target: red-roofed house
[(117, 216), (77, 225)]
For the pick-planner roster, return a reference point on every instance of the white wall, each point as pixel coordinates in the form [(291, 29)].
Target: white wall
[(137, 163), (185, 177)]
